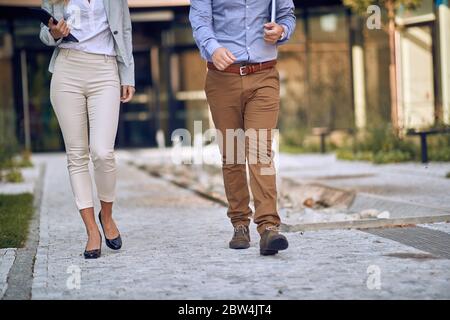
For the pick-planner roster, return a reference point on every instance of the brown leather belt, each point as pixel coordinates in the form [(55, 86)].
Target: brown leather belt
[(244, 69)]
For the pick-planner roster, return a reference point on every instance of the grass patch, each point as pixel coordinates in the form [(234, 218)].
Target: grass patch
[(305, 148), (448, 175), (15, 215), (346, 154)]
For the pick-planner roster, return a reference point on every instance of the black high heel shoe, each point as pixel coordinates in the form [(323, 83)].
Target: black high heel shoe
[(96, 253), (114, 244)]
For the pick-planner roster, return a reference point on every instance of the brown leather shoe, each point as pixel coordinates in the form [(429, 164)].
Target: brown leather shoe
[(241, 238), (272, 242)]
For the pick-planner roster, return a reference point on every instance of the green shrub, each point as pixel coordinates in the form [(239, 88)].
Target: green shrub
[(293, 137), (439, 154), (379, 145), (347, 154), (439, 148), (25, 160), (448, 175), (383, 139), (305, 148), (292, 149), (14, 176), (392, 157), (296, 140), (7, 152), (10, 163)]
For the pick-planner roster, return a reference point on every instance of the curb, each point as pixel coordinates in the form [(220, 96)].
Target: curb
[(365, 224), (402, 213)]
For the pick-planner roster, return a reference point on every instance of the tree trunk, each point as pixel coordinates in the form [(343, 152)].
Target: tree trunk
[(390, 6)]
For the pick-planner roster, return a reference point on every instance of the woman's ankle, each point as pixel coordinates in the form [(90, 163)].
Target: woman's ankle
[(93, 232), (106, 210)]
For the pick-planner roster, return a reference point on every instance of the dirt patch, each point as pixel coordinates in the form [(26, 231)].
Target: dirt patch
[(409, 255)]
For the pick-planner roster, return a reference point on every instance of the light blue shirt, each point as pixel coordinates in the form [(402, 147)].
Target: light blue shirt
[(238, 25)]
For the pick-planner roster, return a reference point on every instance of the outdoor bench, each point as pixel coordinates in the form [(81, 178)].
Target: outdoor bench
[(423, 134)]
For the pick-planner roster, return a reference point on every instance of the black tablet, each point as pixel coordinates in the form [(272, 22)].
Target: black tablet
[(45, 17)]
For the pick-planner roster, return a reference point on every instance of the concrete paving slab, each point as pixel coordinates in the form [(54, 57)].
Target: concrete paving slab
[(176, 247), (7, 257), (425, 239)]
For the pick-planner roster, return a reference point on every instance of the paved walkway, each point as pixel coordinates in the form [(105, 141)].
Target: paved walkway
[(7, 257), (175, 247)]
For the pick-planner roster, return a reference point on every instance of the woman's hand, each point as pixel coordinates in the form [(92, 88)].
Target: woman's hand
[(127, 93), (60, 30)]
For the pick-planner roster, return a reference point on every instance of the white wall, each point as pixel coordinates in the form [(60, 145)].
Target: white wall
[(444, 31), (417, 103)]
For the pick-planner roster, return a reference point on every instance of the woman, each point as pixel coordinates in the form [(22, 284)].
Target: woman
[(90, 79)]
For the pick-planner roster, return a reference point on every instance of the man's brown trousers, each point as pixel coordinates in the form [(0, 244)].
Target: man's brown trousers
[(250, 103)]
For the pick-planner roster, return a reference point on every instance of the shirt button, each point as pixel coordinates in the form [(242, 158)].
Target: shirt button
[(116, 32)]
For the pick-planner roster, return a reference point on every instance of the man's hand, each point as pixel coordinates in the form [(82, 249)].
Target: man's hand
[(223, 58), (273, 32), (61, 30), (127, 94)]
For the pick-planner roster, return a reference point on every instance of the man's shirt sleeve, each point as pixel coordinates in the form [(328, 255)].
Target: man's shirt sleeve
[(201, 18), (286, 18)]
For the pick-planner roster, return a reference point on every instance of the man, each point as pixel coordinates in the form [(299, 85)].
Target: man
[(240, 42)]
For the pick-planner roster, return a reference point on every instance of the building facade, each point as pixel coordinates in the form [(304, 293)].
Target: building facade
[(334, 73)]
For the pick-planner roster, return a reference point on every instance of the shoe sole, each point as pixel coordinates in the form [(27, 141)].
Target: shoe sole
[(275, 246), (240, 246), (90, 257)]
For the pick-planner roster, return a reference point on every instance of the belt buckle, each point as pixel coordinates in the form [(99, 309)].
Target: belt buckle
[(243, 71)]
